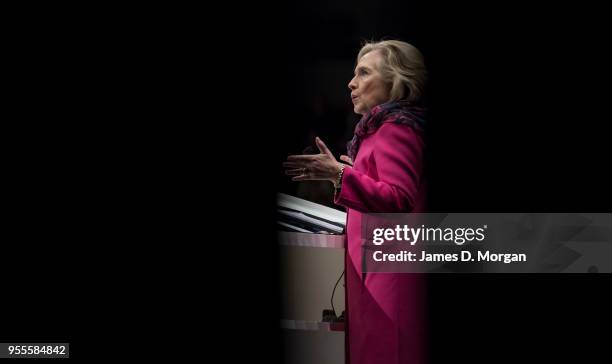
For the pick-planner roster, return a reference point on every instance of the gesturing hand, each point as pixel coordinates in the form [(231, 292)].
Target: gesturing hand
[(322, 166)]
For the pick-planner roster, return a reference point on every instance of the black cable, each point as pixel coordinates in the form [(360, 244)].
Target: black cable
[(334, 291)]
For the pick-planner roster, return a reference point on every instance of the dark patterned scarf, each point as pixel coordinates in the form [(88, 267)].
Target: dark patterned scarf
[(399, 112)]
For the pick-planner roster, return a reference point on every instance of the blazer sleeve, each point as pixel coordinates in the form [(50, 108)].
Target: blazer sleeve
[(398, 155)]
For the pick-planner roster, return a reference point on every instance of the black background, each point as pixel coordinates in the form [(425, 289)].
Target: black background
[(144, 142)]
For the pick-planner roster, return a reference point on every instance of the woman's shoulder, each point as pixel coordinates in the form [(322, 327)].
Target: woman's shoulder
[(397, 138), (391, 126)]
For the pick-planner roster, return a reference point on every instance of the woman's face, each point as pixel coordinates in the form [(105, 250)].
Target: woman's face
[(367, 87)]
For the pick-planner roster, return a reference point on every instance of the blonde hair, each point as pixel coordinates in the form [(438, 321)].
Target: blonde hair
[(403, 68)]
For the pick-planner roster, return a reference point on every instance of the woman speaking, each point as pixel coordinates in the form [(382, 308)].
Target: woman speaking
[(383, 173)]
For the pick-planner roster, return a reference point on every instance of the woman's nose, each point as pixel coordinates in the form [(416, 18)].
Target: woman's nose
[(352, 84)]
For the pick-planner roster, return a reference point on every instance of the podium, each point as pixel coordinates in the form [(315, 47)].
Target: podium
[(311, 264)]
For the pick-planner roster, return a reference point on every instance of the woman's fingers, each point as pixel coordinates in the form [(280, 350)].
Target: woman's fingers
[(301, 178), (294, 164), (311, 167), (294, 172), (301, 158), (345, 158), (322, 147)]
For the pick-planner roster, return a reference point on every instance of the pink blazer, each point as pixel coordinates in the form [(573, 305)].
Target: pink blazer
[(385, 311)]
